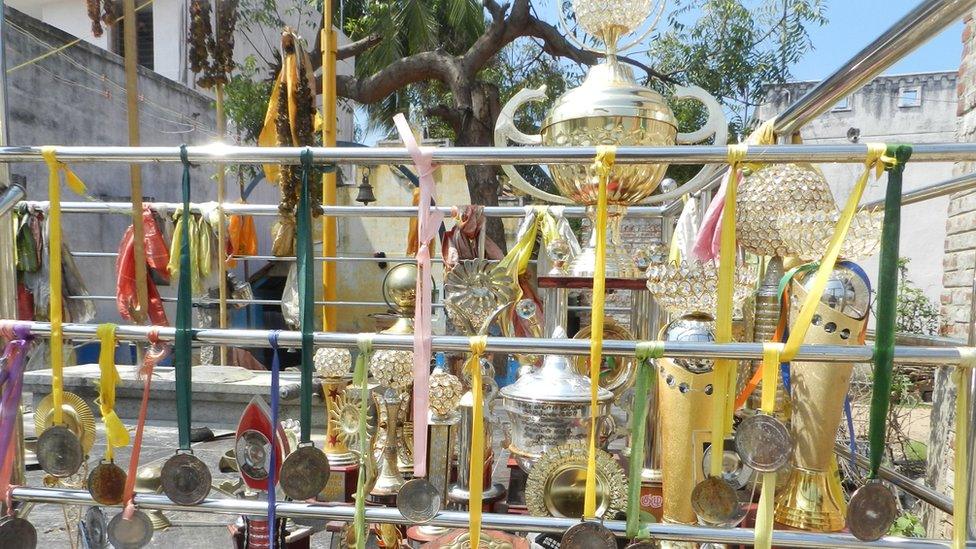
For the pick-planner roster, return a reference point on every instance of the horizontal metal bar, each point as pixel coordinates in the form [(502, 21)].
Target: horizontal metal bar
[(12, 195), (928, 192), (679, 154), (672, 349), (922, 492), (460, 519), (125, 208)]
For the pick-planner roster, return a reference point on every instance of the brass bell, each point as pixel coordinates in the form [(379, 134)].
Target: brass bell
[(365, 190)]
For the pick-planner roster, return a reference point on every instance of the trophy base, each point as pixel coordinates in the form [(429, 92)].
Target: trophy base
[(342, 459), (490, 494), (810, 501)]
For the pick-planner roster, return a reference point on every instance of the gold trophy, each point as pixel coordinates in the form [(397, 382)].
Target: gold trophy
[(811, 500), (608, 108), (334, 367)]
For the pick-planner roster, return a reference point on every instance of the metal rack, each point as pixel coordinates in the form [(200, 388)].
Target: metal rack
[(907, 34)]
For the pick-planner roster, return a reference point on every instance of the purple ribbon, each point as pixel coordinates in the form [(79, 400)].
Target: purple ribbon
[(15, 355), (275, 397)]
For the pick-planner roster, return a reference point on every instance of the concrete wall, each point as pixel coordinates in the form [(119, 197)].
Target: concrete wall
[(875, 110)]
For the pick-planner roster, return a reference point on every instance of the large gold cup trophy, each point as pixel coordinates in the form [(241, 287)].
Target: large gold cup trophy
[(608, 108), (811, 500)]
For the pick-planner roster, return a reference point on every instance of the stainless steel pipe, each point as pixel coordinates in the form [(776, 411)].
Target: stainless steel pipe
[(734, 351), (928, 192), (456, 519), (683, 154), (914, 29)]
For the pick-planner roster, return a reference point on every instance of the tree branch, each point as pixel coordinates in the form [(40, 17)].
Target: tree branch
[(359, 46), (452, 117), (428, 65)]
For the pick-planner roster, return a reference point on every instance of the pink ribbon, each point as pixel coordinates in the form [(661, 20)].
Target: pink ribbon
[(428, 222), (707, 242), (153, 356), (9, 403)]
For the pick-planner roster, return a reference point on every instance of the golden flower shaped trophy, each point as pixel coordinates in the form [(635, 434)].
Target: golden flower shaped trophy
[(608, 108)]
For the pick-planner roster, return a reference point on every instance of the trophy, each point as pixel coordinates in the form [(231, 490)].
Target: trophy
[(810, 500), (334, 367), (608, 108)]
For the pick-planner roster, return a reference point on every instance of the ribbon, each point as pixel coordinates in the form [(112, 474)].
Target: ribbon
[(724, 368), (605, 157), (646, 376), (876, 161), (272, 472), (183, 351), (884, 341), (55, 311), (153, 356), (960, 481), (306, 296), (476, 471), (428, 223), (115, 434), (764, 513), (15, 355), (365, 343)]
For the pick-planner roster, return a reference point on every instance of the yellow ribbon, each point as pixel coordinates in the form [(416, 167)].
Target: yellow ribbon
[(724, 368), (115, 434), (477, 466), (55, 169), (960, 482), (764, 513), (875, 161), (605, 157)]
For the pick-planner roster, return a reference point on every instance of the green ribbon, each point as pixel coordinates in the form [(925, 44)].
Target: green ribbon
[(884, 341), (183, 351), (365, 342), (306, 296), (646, 376)]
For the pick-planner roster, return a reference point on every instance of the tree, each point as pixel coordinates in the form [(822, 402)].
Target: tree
[(451, 61)]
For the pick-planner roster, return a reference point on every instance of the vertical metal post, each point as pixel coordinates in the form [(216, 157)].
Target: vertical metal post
[(221, 192), (135, 172), (970, 385), (8, 269), (329, 235)]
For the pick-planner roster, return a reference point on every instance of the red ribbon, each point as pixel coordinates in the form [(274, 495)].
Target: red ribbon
[(154, 354), (428, 222)]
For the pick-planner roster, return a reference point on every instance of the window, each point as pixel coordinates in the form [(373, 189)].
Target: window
[(909, 97), (842, 105), (144, 36)]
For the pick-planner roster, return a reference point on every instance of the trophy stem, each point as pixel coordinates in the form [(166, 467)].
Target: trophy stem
[(619, 263), (389, 480), (336, 450)]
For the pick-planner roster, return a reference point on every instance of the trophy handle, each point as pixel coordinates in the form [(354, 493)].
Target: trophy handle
[(505, 130), (716, 125)]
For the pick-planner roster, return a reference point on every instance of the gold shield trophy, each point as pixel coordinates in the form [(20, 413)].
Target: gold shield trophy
[(608, 108), (811, 500)]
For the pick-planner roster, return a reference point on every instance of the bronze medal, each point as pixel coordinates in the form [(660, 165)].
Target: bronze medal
[(95, 529), (17, 533), (134, 533), (588, 535), (716, 503), (764, 443), (418, 500), (304, 473), (59, 451), (185, 479), (872, 510), (106, 483)]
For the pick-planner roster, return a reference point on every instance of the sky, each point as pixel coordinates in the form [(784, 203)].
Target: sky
[(854, 23)]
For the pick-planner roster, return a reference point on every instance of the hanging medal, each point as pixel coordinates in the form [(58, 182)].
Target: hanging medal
[(59, 450), (106, 482), (874, 507), (185, 478), (305, 472), (418, 499), (132, 528), (15, 532)]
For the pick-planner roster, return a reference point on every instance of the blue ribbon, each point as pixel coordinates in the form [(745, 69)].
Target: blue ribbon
[(275, 397)]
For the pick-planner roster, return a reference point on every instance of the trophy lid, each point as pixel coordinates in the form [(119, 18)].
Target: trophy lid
[(555, 381), (846, 291), (610, 90)]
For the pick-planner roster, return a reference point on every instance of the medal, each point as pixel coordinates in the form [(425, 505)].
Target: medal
[(418, 500), (106, 483), (872, 510), (588, 535), (95, 528), (17, 533), (716, 503), (132, 533), (185, 479), (304, 473), (59, 451), (764, 443)]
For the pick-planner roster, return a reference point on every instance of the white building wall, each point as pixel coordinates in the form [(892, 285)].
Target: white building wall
[(875, 111)]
